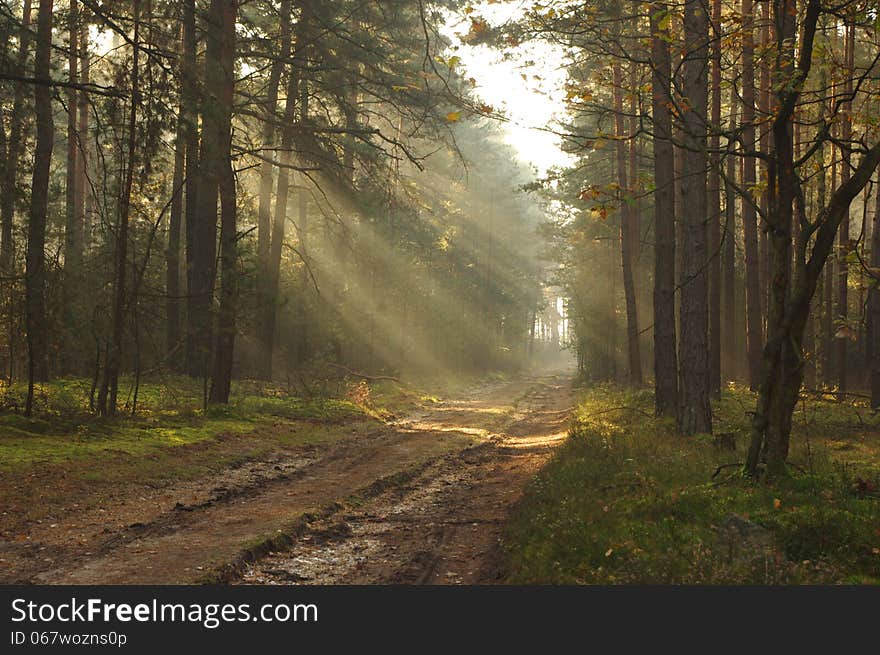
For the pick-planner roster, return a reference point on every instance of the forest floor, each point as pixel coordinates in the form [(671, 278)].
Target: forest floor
[(626, 500), (339, 499)]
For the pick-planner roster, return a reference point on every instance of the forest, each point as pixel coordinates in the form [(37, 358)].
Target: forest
[(580, 292)]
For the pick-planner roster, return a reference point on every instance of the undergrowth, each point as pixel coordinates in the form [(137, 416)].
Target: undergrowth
[(627, 501)]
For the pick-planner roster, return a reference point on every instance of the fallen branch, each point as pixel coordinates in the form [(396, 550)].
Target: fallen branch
[(725, 466)]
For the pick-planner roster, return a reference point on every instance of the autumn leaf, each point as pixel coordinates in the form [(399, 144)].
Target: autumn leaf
[(777, 503), (453, 117)]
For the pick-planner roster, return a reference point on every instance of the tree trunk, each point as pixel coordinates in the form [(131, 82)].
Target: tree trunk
[(84, 154), (225, 349), (874, 304), (665, 350), (635, 229), (844, 239), (195, 233), (729, 319), (695, 414), (110, 383), (765, 146), (73, 220), (265, 333), (172, 254), (826, 286), (35, 271), (634, 366), (220, 87), (754, 336), (714, 213), (269, 309)]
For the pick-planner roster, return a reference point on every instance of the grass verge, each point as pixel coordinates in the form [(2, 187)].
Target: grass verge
[(626, 501)]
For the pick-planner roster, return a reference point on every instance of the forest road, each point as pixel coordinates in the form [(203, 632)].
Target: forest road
[(423, 500), (444, 525)]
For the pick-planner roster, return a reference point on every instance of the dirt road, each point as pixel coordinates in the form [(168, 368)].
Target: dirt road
[(422, 500)]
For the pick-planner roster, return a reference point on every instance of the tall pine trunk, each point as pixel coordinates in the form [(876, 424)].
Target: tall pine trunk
[(695, 411), (634, 366), (73, 220), (109, 391), (217, 160), (195, 258), (173, 252), (665, 349), (265, 331), (729, 319), (714, 214), (874, 304), (35, 265), (754, 332), (844, 246)]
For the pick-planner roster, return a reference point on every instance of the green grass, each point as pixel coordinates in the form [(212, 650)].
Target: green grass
[(168, 416), (625, 500)]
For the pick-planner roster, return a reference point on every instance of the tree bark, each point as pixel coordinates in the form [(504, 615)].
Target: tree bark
[(220, 87), (269, 309), (108, 393), (195, 258), (695, 413), (765, 146), (73, 220), (634, 366), (35, 265), (844, 245), (729, 319), (173, 252), (665, 350), (874, 303), (754, 332), (265, 333), (714, 214), (82, 115)]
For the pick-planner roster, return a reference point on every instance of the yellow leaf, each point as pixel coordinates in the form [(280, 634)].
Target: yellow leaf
[(453, 116), (777, 503)]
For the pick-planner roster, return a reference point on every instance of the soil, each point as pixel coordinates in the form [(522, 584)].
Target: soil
[(419, 500)]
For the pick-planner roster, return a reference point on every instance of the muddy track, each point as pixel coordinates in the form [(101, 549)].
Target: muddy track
[(421, 500), (442, 526)]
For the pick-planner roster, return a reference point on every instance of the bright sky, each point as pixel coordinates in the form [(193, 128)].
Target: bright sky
[(528, 84)]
